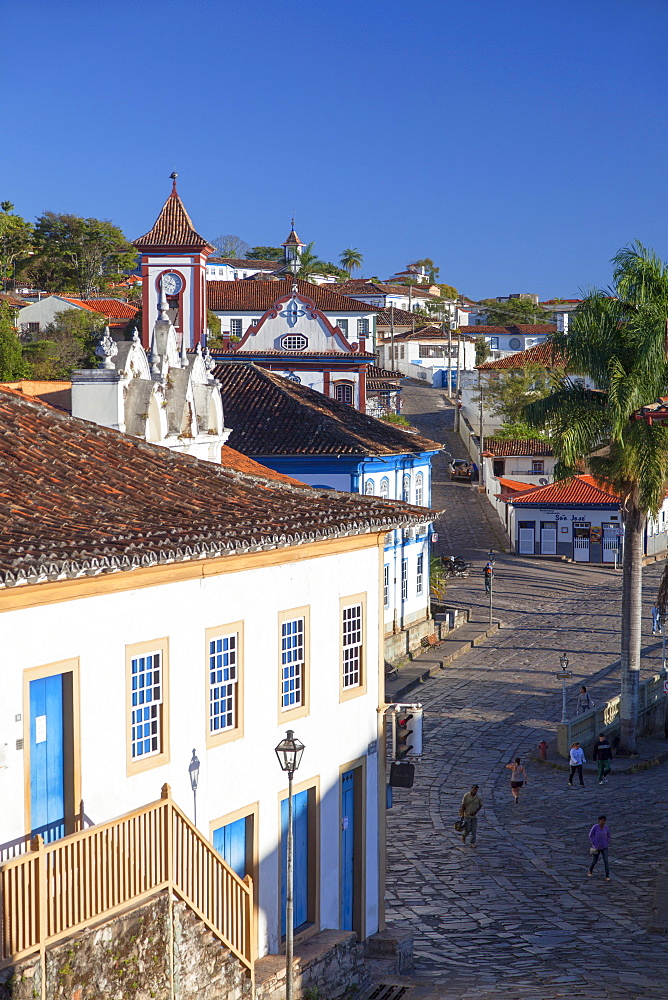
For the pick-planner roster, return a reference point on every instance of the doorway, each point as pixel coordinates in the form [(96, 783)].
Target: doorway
[(610, 542), (352, 851), (548, 538), (581, 541), (234, 843), (51, 753), (526, 532)]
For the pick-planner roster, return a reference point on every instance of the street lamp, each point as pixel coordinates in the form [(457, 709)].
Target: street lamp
[(289, 752), (564, 673), (193, 771)]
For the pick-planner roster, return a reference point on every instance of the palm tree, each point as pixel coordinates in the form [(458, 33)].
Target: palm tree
[(310, 264), (617, 354), (351, 260)]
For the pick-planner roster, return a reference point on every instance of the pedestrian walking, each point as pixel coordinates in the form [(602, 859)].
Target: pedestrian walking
[(469, 809), (488, 572), (599, 838), (577, 759), (518, 778), (603, 756), (585, 701), (657, 621)]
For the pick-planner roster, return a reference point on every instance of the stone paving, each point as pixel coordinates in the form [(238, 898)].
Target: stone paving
[(517, 918)]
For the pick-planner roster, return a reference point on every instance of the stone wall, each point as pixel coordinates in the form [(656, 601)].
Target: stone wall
[(130, 956), (328, 964)]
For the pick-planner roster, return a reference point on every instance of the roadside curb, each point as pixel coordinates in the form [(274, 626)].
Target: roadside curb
[(619, 768), (430, 664)]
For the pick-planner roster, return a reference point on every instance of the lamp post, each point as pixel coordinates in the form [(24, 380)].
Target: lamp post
[(289, 752), (565, 674), (193, 771)]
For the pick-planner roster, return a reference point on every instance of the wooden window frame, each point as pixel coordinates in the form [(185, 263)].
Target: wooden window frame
[(235, 732), (312, 786), (159, 759), (345, 694), (289, 714)]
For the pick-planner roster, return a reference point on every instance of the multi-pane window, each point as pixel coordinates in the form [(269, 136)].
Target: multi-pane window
[(404, 579), (362, 327), (235, 327), (343, 327), (352, 645), (419, 489), (294, 342), (369, 488), (223, 677), (385, 487), (343, 392), (420, 574), (146, 705), (386, 586), (292, 663), (406, 489)]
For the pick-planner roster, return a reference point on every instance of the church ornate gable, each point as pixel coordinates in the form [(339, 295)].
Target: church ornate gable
[(295, 324)]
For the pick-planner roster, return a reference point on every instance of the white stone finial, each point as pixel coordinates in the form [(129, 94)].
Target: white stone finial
[(106, 349), (163, 304), (184, 356), (198, 350), (209, 363), (135, 336)]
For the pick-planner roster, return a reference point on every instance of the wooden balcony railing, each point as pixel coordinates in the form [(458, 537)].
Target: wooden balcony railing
[(72, 883)]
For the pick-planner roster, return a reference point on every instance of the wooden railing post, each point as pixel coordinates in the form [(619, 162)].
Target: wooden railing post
[(41, 915)]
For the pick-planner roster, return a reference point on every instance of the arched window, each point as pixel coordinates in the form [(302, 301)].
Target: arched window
[(406, 489), (385, 487), (419, 489), (514, 343), (294, 342), (343, 392), (369, 487)]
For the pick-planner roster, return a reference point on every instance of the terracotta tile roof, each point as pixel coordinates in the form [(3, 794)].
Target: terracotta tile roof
[(247, 354), (578, 490), (258, 296), (12, 300), (514, 330), (292, 240), (358, 286), (541, 354), (111, 308), (378, 379), (273, 416), (172, 228), (499, 447), (232, 459), (401, 318), (53, 393), (79, 499), (263, 265), (514, 485)]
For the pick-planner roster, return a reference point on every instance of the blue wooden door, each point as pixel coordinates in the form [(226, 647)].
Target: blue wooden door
[(47, 758), (300, 855), (230, 842), (347, 849)]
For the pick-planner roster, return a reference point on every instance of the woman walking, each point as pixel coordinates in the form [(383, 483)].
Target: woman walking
[(518, 777), (599, 838), (577, 759)]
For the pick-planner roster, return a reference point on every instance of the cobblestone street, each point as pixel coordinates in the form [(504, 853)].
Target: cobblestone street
[(517, 918)]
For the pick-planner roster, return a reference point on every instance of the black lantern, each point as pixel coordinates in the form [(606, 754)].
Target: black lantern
[(289, 752), (563, 660)]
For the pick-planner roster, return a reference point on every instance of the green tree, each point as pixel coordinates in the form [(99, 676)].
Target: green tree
[(265, 253), (310, 264), (351, 260), (213, 323), (12, 363), (68, 343), (617, 342), (430, 267), (16, 241), (90, 253), (482, 349), (507, 393), (230, 246), (512, 311)]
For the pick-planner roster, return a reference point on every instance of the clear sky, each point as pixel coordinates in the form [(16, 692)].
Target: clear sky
[(519, 143)]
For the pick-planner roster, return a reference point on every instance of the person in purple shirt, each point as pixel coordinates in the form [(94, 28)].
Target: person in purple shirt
[(599, 838)]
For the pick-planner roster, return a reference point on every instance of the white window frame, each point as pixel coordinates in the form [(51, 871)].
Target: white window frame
[(369, 488), (343, 327), (236, 328), (419, 489), (146, 702), (386, 585), (406, 487), (352, 640), (223, 680), (419, 574), (404, 579), (384, 492), (294, 342), (293, 662)]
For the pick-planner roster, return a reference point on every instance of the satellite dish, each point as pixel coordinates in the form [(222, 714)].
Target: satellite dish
[(543, 481)]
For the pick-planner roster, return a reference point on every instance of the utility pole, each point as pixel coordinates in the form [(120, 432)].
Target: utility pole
[(449, 356), (480, 431), (459, 354), (392, 333)]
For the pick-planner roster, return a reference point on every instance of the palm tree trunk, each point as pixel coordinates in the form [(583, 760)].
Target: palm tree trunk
[(634, 527)]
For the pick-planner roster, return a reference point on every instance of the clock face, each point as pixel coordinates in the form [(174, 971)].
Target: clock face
[(171, 283)]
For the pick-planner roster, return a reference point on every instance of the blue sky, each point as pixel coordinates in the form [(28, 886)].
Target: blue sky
[(519, 143)]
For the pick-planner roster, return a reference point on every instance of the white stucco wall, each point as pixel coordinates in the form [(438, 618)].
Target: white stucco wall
[(237, 774)]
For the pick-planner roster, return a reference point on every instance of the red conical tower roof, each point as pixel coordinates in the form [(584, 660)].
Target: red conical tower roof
[(173, 227)]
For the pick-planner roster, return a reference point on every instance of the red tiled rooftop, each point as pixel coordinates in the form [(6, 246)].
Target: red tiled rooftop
[(259, 296), (402, 317), (233, 459), (111, 308), (252, 264), (79, 499), (514, 485), (578, 490), (541, 354), (172, 228), (499, 447)]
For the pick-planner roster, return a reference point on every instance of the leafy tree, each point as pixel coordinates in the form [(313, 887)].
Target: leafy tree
[(521, 431), (448, 292), (69, 343), (213, 323), (512, 311), (430, 267), (507, 393), (351, 260), (482, 349), (88, 253), (395, 418), (617, 341), (310, 264), (12, 364), (265, 253), (230, 246), (16, 240)]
